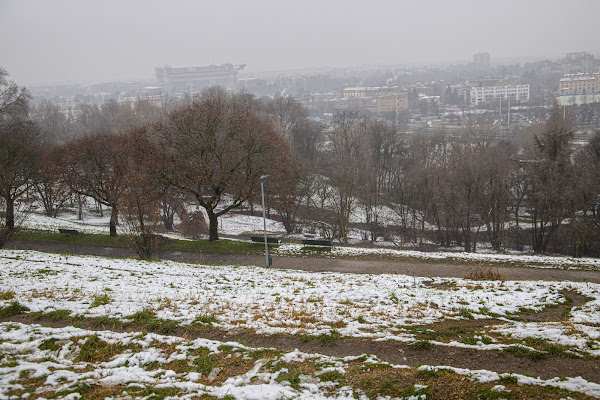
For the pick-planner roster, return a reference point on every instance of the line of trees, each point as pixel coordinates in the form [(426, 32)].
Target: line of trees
[(536, 190), (145, 162), (142, 162)]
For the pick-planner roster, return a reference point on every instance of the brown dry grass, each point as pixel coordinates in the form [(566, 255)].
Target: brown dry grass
[(490, 274)]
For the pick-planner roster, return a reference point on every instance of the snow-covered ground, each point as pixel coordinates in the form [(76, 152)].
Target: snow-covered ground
[(62, 362), (245, 225), (273, 301), (538, 261), (93, 222)]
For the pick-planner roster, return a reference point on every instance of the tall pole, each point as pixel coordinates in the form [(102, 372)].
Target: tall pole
[(508, 122), (262, 191)]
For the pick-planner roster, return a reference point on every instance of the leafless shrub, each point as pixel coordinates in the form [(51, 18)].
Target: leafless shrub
[(193, 225), (490, 274)]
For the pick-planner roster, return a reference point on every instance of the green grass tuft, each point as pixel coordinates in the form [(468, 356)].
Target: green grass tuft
[(7, 295), (14, 308), (524, 352), (329, 337), (101, 300), (421, 345)]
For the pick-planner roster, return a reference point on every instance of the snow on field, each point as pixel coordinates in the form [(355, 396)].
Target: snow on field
[(68, 362), (229, 224), (238, 224), (537, 261), (143, 362), (268, 300), (566, 334), (92, 222)]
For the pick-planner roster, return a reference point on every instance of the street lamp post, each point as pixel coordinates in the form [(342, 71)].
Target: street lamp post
[(262, 191)]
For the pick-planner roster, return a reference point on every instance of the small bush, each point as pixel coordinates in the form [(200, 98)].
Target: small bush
[(491, 274), (144, 245), (193, 225)]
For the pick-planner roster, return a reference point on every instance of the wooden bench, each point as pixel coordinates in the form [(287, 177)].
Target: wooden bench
[(317, 242), (69, 231), (261, 239)]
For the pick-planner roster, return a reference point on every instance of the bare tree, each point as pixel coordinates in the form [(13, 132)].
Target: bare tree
[(97, 167), (286, 112), (19, 146), (51, 181), (344, 169), (551, 173), (221, 147), (493, 191), (142, 190), (55, 127), (14, 99)]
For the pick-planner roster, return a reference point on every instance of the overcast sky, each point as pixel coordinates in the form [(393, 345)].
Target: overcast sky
[(44, 41)]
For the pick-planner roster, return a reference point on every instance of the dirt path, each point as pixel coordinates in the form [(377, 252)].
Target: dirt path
[(413, 268)]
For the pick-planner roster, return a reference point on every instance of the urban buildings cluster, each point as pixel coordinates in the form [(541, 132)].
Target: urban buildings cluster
[(419, 95)]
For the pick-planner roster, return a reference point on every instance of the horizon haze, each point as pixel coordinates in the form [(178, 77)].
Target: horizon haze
[(72, 41)]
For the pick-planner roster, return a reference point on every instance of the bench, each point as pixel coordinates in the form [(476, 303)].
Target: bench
[(261, 239), (317, 242), (69, 231)]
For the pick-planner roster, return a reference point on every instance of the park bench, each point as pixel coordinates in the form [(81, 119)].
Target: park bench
[(261, 239), (69, 231), (317, 242)]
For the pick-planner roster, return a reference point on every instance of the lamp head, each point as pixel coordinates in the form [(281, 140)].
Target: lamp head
[(262, 178)]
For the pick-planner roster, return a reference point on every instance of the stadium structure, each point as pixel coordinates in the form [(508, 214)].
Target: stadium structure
[(194, 79)]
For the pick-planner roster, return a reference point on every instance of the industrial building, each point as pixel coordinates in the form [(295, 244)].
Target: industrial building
[(194, 79)]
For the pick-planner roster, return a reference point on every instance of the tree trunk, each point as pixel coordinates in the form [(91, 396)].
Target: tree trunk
[(10, 212), (79, 208), (114, 219), (213, 225), (168, 217)]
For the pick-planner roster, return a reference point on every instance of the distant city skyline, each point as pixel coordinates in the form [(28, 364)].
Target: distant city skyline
[(43, 42)]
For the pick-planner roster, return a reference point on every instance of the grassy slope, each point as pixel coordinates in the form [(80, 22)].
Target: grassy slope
[(203, 246)]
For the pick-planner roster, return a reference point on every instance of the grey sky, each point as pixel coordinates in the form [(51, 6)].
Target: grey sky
[(44, 41)]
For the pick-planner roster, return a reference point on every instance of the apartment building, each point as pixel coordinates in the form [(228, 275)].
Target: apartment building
[(516, 93), (579, 83)]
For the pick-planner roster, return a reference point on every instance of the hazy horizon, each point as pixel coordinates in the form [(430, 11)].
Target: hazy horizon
[(47, 42)]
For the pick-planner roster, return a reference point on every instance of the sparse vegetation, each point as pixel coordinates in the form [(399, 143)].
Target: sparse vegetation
[(101, 300), (7, 295), (490, 274), (14, 308), (421, 345)]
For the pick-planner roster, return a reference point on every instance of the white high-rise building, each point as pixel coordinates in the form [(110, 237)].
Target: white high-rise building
[(516, 93)]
